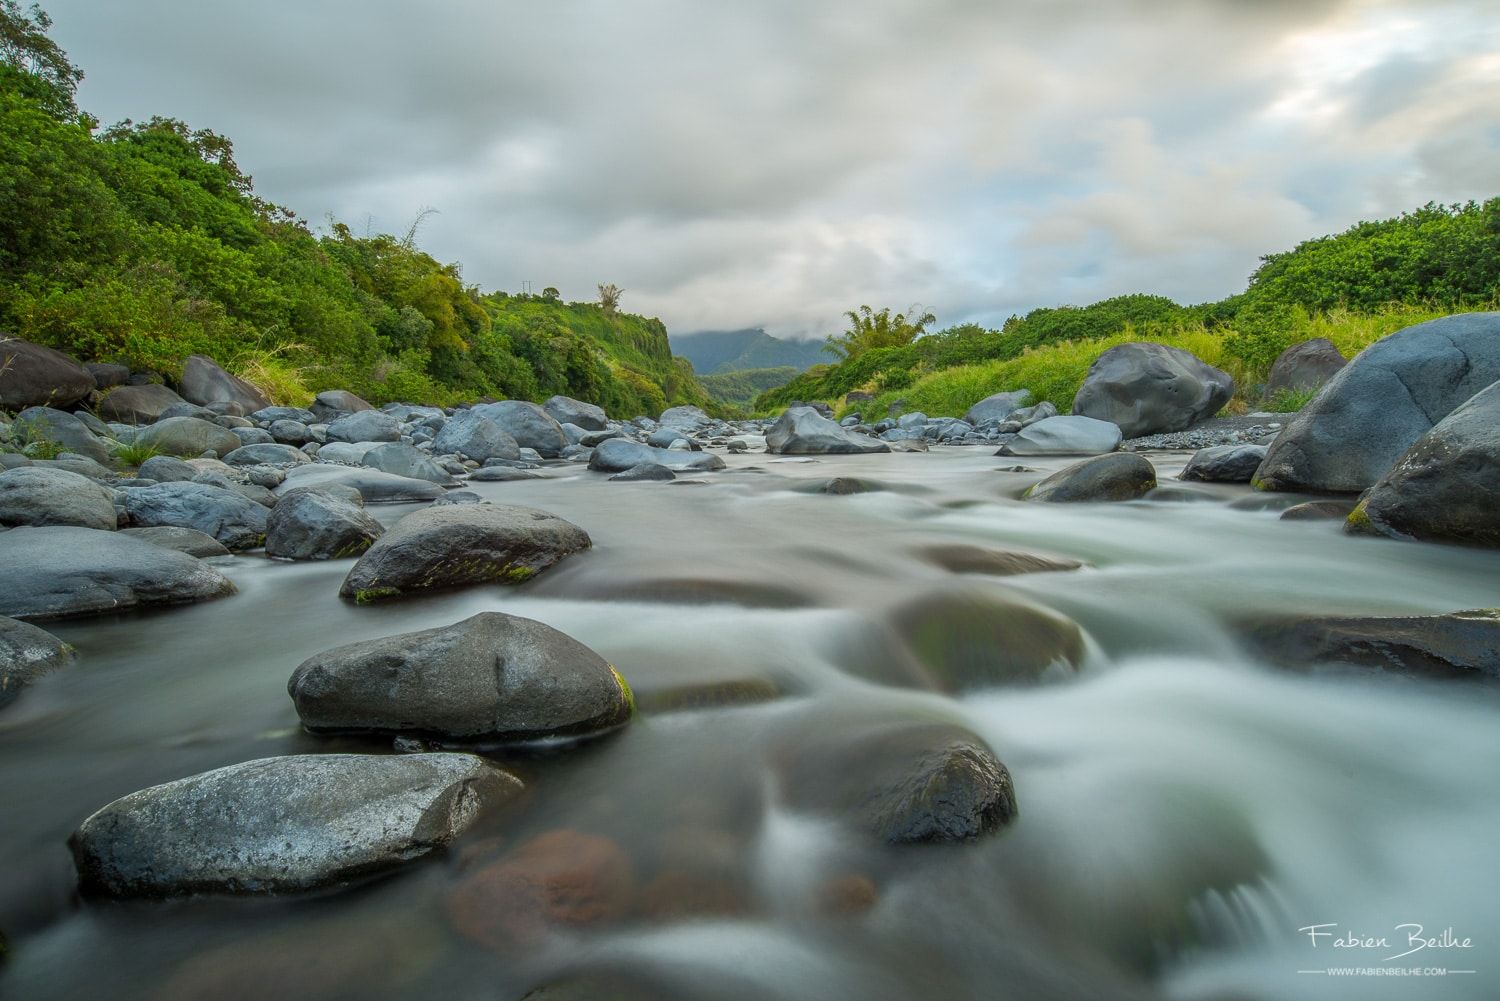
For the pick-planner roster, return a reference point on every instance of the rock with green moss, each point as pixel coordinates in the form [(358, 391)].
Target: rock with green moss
[(460, 546), (492, 679)]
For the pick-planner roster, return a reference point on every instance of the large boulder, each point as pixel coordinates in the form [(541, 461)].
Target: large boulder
[(1305, 366), (459, 545), (997, 407), (528, 424), (566, 410), (1118, 476), (1446, 488), (204, 382), (1064, 436), (804, 431), (332, 402), (59, 572), (1151, 389), (284, 824), (475, 436), (686, 418), (492, 678), (106, 375), (137, 404), (37, 495), (373, 485), (1453, 645), (1379, 404), (620, 454), (365, 425), (230, 517), (27, 653), (188, 436), (320, 523), (1224, 464), (36, 424), (400, 459), (35, 376)]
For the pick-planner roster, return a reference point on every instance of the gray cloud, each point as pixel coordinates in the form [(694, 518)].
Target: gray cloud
[(780, 162)]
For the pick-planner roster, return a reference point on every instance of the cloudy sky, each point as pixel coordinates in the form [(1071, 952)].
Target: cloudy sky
[(773, 163)]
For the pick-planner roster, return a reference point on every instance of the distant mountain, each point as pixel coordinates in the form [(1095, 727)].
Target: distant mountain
[(719, 351)]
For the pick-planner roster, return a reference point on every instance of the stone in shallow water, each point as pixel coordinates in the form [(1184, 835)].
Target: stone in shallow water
[(1119, 476), (27, 653), (373, 485), (284, 824), (970, 639), (1064, 436), (961, 558), (1224, 464), (804, 431), (645, 472), (619, 454), (320, 523), (1454, 645), (228, 516)]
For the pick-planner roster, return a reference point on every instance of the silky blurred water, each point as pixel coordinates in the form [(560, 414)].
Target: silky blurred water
[(1184, 809)]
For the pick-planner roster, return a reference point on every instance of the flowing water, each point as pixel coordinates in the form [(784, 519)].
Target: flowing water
[(1184, 809)]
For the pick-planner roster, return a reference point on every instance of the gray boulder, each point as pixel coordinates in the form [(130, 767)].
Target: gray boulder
[(646, 471), (230, 517), (320, 523), (566, 410), (290, 432), (270, 454), (59, 572), (664, 437), (997, 407), (252, 436), (167, 469), (186, 409), (188, 436), (803, 431), (1305, 366), (1151, 389), (619, 454), (501, 474), (137, 404), (1064, 436), (284, 824), (1379, 404), (373, 485), (1224, 464), (1444, 489), (492, 678), (365, 425), (333, 402), (184, 540), (475, 436), (455, 546), (35, 376), (685, 418), (37, 495), (530, 425), (1118, 476), (204, 382), (62, 428), (406, 460), (350, 452), (107, 376), (27, 653), (1463, 645), (269, 415)]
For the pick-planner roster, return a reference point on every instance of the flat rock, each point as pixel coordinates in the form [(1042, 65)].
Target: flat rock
[(320, 523), (271, 454), (184, 540), (1064, 436), (502, 474), (227, 515), (284, 824), (27, 653), (1118, 476), (38, 495), (1453, 645), (373, 485), (1151, 388)]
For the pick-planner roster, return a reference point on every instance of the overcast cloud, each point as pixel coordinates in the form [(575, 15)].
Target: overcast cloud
[(775, 163)]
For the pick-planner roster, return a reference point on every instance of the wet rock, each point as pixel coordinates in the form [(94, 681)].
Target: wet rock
[(1445, 488), (492, 678), (1323, 510), (646, 471), (137, 404), (1119, 476), (530, 425), (374, 486), (1224, 464), (842, 486), (566, 410), (27, 653), (320, 523), (447, 547), (204, 382), (1379, 404), (803, 431), (475, 436), (37, 495), (284, 824), (664, 437), (972, 639), (365, 425), (405, 460), (1151, 388), (707, 695), (1454, 645), (226, 515), (46, 424), (502, 474), (1305, 366), (960, 558), (908, 446), (35, 376), (273, 454), (188, 436), (619, 454), (847, 895), (904, 783), (997, 407), (331, 403), (349, 452), (60, 572), (1064, 436), (183, 540), (562, 879)]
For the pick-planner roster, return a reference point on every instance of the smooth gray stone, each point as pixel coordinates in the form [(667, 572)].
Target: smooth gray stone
[(566, 410), (38, 495), (332, 402), (107, 376), (1064, 436), (227, 515), (646, 471), (269, 454), (365, 425), (270, 415), (68, 430), (184, 540), (32, 375), (530, 425), (1224, 463), (188, 436), (406, 460), (1304, 366), (167, 469), (997, 407), (1151, 389), (475, 436), (137, 404), (501, 474), (320, 523), (619, 454), (1118, 476), (27, 653), (253, 436), (373, 485), (804, 431), (204, 382)]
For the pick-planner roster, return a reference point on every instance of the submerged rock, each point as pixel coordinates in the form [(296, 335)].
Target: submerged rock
[(804, 431), (646, 471), (454, 546), (37, 495), (320, 523), (284, 824), (1454, 645), (27, 653), (1151, 388), (1119, 476), (1323, 510), (969, 639), (960, 558), (492, 678)]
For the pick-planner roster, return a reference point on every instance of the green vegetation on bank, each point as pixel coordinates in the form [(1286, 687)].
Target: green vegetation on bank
[(144, 243), (740, 387)]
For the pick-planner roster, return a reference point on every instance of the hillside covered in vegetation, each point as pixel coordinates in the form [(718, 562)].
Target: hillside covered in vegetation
[(145, 242)]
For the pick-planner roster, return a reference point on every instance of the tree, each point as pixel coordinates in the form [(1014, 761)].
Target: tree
[(550, 294), (609, 299), (870, 329), (39, 64)]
